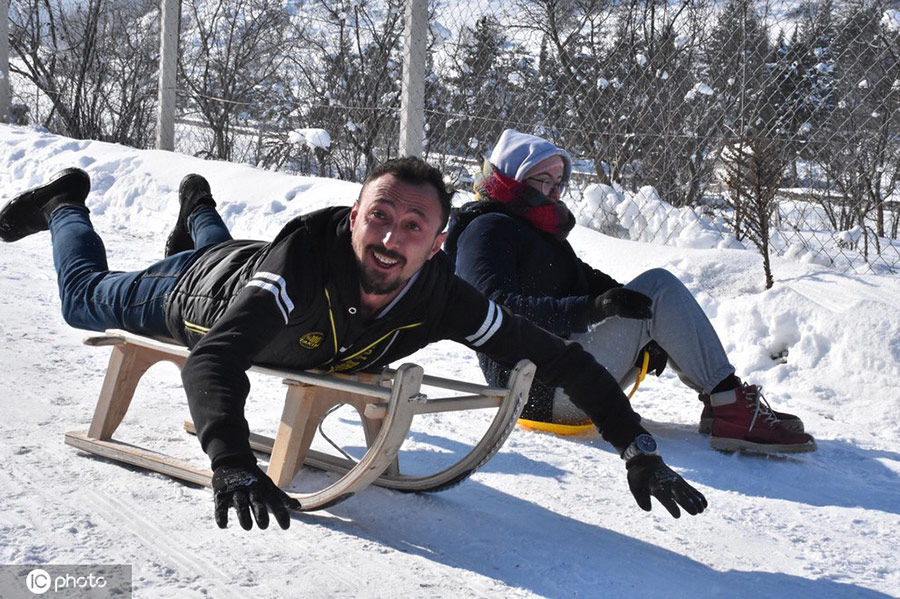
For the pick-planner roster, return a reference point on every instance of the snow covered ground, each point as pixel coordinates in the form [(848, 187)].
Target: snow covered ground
[(548, 516)]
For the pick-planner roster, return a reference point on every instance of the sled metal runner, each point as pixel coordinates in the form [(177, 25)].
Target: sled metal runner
[(387, 402)]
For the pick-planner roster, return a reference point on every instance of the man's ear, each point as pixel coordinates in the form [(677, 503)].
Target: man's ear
[(438, 242), (354, 211)]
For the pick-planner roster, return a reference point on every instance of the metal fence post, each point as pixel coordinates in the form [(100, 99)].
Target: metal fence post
[(412, 98), (170, 20), (4, 61)]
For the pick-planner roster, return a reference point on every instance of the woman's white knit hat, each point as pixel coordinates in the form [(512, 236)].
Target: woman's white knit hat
[(516, 153)]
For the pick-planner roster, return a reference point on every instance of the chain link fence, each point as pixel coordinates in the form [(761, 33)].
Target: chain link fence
[(739, 123), (772, 125)]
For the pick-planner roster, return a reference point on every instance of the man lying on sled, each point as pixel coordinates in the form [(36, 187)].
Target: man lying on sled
[(370, 278)]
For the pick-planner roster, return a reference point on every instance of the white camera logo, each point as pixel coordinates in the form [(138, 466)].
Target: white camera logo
[(38, 581)]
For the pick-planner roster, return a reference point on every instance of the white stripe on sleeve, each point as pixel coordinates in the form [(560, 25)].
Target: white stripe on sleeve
[(275, 291), (491, 323), (282, 287)]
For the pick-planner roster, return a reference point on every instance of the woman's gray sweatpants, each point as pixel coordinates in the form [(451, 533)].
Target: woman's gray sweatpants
[(679, 326)]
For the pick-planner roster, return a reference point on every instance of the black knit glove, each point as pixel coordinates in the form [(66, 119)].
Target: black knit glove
[(246, 487), (622, 302), (648, 475)]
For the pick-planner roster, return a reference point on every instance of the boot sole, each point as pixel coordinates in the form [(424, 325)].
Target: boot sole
[(726, 444), (795, 426)]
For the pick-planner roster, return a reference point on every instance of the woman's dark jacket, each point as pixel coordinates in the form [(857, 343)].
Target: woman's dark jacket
[(534, 274)]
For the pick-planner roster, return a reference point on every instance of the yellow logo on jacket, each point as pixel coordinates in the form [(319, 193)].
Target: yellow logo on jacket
[(312, 340), (354, 361)]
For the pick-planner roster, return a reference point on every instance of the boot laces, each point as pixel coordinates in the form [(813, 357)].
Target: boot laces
[(757, 401)]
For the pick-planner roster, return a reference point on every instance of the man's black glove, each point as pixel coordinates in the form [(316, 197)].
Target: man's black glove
[(648, 475), (246, 487), (623, 302)]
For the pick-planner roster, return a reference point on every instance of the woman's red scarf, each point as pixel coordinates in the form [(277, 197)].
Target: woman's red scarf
[(522, 200)]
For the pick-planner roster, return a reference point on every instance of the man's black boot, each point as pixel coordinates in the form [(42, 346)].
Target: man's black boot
[(29, 212), (193, 191)]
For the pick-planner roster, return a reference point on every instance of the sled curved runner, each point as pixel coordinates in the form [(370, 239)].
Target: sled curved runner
[(387, 403)]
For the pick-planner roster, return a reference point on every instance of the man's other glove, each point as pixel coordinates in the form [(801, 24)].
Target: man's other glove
[(246, 487), (658, 358), (648, 475), (623, 302)]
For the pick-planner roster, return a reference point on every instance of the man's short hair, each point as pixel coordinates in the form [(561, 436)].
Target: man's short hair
[(415, 171)]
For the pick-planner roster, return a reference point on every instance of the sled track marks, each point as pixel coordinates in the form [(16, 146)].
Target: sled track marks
[(172, 548), (246, 562)]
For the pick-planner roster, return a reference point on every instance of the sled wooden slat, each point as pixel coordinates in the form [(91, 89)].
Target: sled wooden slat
[(386, 402), (140, 457), (433, 406)]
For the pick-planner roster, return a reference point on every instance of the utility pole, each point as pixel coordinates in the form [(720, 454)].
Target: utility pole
[(170, 23), (412, 97), (4, 61)]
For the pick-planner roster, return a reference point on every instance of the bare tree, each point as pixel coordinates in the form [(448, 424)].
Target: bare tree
[(489, 86), (348, 79), (579, 92), (671, 107), (862, 154), (230, 64), (614, 78), (754, 171), (94, 63)]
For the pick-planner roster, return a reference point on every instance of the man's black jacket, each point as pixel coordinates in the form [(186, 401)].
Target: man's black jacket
[(294, 303)]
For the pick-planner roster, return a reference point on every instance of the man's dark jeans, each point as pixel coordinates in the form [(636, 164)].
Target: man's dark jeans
[(96, 298)]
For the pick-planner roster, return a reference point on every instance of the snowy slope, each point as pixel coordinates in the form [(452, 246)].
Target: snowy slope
[(548, 516)]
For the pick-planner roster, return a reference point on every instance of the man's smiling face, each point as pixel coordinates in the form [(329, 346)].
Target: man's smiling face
[(395, 229)]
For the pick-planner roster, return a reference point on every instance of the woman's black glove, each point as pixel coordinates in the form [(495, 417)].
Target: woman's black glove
[(246, 487), (648, 475), (623, 302)]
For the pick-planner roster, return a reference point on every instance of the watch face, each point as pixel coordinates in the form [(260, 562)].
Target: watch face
[(645, 443)]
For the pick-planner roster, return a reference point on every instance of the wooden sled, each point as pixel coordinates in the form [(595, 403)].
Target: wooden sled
[(386, 402)]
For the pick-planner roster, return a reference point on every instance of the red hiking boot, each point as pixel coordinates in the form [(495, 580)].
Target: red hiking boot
[(747, 423), (789, 421)]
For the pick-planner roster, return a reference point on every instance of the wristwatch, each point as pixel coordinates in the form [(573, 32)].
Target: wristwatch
[(643, 444)]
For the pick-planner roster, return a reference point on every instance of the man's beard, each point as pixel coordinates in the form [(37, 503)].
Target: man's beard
[(372, 281)]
